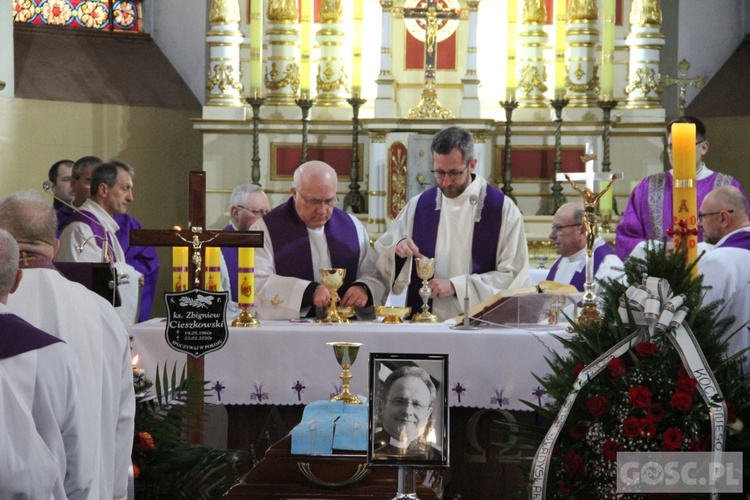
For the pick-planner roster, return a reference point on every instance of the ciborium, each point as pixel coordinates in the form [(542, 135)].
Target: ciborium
[(332, 279), (346, 354), (425, 270)]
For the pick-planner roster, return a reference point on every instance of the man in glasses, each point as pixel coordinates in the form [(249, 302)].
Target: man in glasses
[(648, 214), (247, 205), (304, 235), (569, 238), (724, 221), (462, 217)]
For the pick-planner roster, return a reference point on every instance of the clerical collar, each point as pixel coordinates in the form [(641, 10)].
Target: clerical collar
[(402, 445), (30, 260)]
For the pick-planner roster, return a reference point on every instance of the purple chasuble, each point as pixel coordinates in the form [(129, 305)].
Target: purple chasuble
[(97, 229), (291, 244), (143, 259), (483, 244), (579, 277), (232, 259), (740, 239), (63, 214), (17, 336)]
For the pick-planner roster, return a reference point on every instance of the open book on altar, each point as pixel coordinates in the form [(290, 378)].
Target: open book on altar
[(534, 304)]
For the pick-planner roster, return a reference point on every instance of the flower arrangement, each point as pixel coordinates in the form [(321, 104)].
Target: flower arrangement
[(644, 400)]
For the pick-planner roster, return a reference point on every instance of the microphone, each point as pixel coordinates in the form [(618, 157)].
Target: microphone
[(473, 200)]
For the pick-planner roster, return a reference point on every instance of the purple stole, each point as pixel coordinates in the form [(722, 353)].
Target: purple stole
[(291, 244), (483, 245), (232, 259), (17, 337), (737, 240), (579, 278), (143, 259), (63, 214), (95, 228)]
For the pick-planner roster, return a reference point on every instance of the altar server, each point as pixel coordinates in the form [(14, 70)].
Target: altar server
[(45, 373), (302, 236), (723, 217), (462, 217), (89, 325), (569, 238)]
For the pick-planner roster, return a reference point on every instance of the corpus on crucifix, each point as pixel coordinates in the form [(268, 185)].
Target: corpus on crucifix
[(431, 14)]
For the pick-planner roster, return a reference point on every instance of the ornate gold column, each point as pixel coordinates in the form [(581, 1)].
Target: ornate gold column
[(332, 80), (281, 77), (582, 70), (645, 42), (223, 40), (532, 74)]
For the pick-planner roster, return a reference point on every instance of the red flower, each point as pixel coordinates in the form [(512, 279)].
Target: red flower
[(648, 428), (597, 405), (563, 488), (632, 427), (656, 412), (610, 449), (647, 349), (681, 373), (681, 401), (578, 369), (673, 437), (731, 412), (616, 367), (579, 431), (686, 385), (640, 396), (145, 442), (573, 464)]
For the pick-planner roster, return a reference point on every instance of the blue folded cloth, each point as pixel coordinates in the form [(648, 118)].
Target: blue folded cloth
[(328, 426)]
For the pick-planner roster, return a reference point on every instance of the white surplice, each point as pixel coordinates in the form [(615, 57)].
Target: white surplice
[(92, 328), (453, 247), (568, 266), (79, 235), (280, 297)]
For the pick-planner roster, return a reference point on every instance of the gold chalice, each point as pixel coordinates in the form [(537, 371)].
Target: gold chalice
[(425, 270), (346, 353), (332, 279), (392, 314)]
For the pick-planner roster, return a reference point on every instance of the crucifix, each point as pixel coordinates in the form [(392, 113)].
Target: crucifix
[(429, 107), (196, 237), (683, 82)]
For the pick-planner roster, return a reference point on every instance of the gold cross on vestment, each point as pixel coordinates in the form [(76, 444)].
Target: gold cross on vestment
[(683, 82)]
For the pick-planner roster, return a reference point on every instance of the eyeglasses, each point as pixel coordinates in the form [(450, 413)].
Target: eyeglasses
[(402, 402), (453, 174), (703, 216), (255, 212), (330, 202), (669, 146), (558, 229)]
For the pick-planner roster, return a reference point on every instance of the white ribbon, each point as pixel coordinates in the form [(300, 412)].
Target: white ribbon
[(654, 309)]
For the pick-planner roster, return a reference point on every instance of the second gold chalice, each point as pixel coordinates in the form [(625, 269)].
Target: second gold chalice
[(346, 354), (425, 270), (332, 279)]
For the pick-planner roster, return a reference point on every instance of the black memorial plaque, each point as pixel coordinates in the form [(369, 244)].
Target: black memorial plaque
[(197, 321)]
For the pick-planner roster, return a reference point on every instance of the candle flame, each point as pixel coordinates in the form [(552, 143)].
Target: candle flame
[(135, 360), (431, 437)]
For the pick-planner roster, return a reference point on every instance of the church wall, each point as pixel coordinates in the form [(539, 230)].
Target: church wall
[(160, 144), (728, 152)]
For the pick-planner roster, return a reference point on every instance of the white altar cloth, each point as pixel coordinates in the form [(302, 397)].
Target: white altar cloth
[(285, 363)]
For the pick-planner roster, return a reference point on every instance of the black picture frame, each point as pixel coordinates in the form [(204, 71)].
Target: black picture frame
[(411, 414)]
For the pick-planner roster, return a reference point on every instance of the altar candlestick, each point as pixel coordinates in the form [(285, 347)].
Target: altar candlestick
[(246, 277), (213, 269), (560, 27), (179, 269), (308, 7), (511, 80), (256, 46), (608, 50), (685, 203)]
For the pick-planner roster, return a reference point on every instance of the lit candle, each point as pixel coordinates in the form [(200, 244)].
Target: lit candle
[(246, 281), (685, 204), (608, 51), (511, 80), (256, 46), (605, 202), (560, 6), (212, 278), (308, 7), (357, 53), (179, 269)]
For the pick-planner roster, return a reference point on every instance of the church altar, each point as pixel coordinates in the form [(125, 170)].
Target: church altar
[(289, 363)]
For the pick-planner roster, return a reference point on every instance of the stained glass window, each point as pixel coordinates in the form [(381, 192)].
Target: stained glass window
[(104, 15)]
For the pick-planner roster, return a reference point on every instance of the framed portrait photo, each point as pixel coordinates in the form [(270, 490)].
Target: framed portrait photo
[(408, 413)]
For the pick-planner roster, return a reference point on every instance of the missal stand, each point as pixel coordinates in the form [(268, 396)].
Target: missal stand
[(99, 277)]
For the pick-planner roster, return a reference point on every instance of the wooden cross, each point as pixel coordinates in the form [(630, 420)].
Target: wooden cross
[(683, 82), (184, 238)]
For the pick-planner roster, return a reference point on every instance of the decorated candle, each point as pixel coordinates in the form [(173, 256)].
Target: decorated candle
[(246, 276), (608, 50), (308, 7), (685, 204), (179, 269), (212, 279), (511, 79), (256, 47), (605, 202)]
